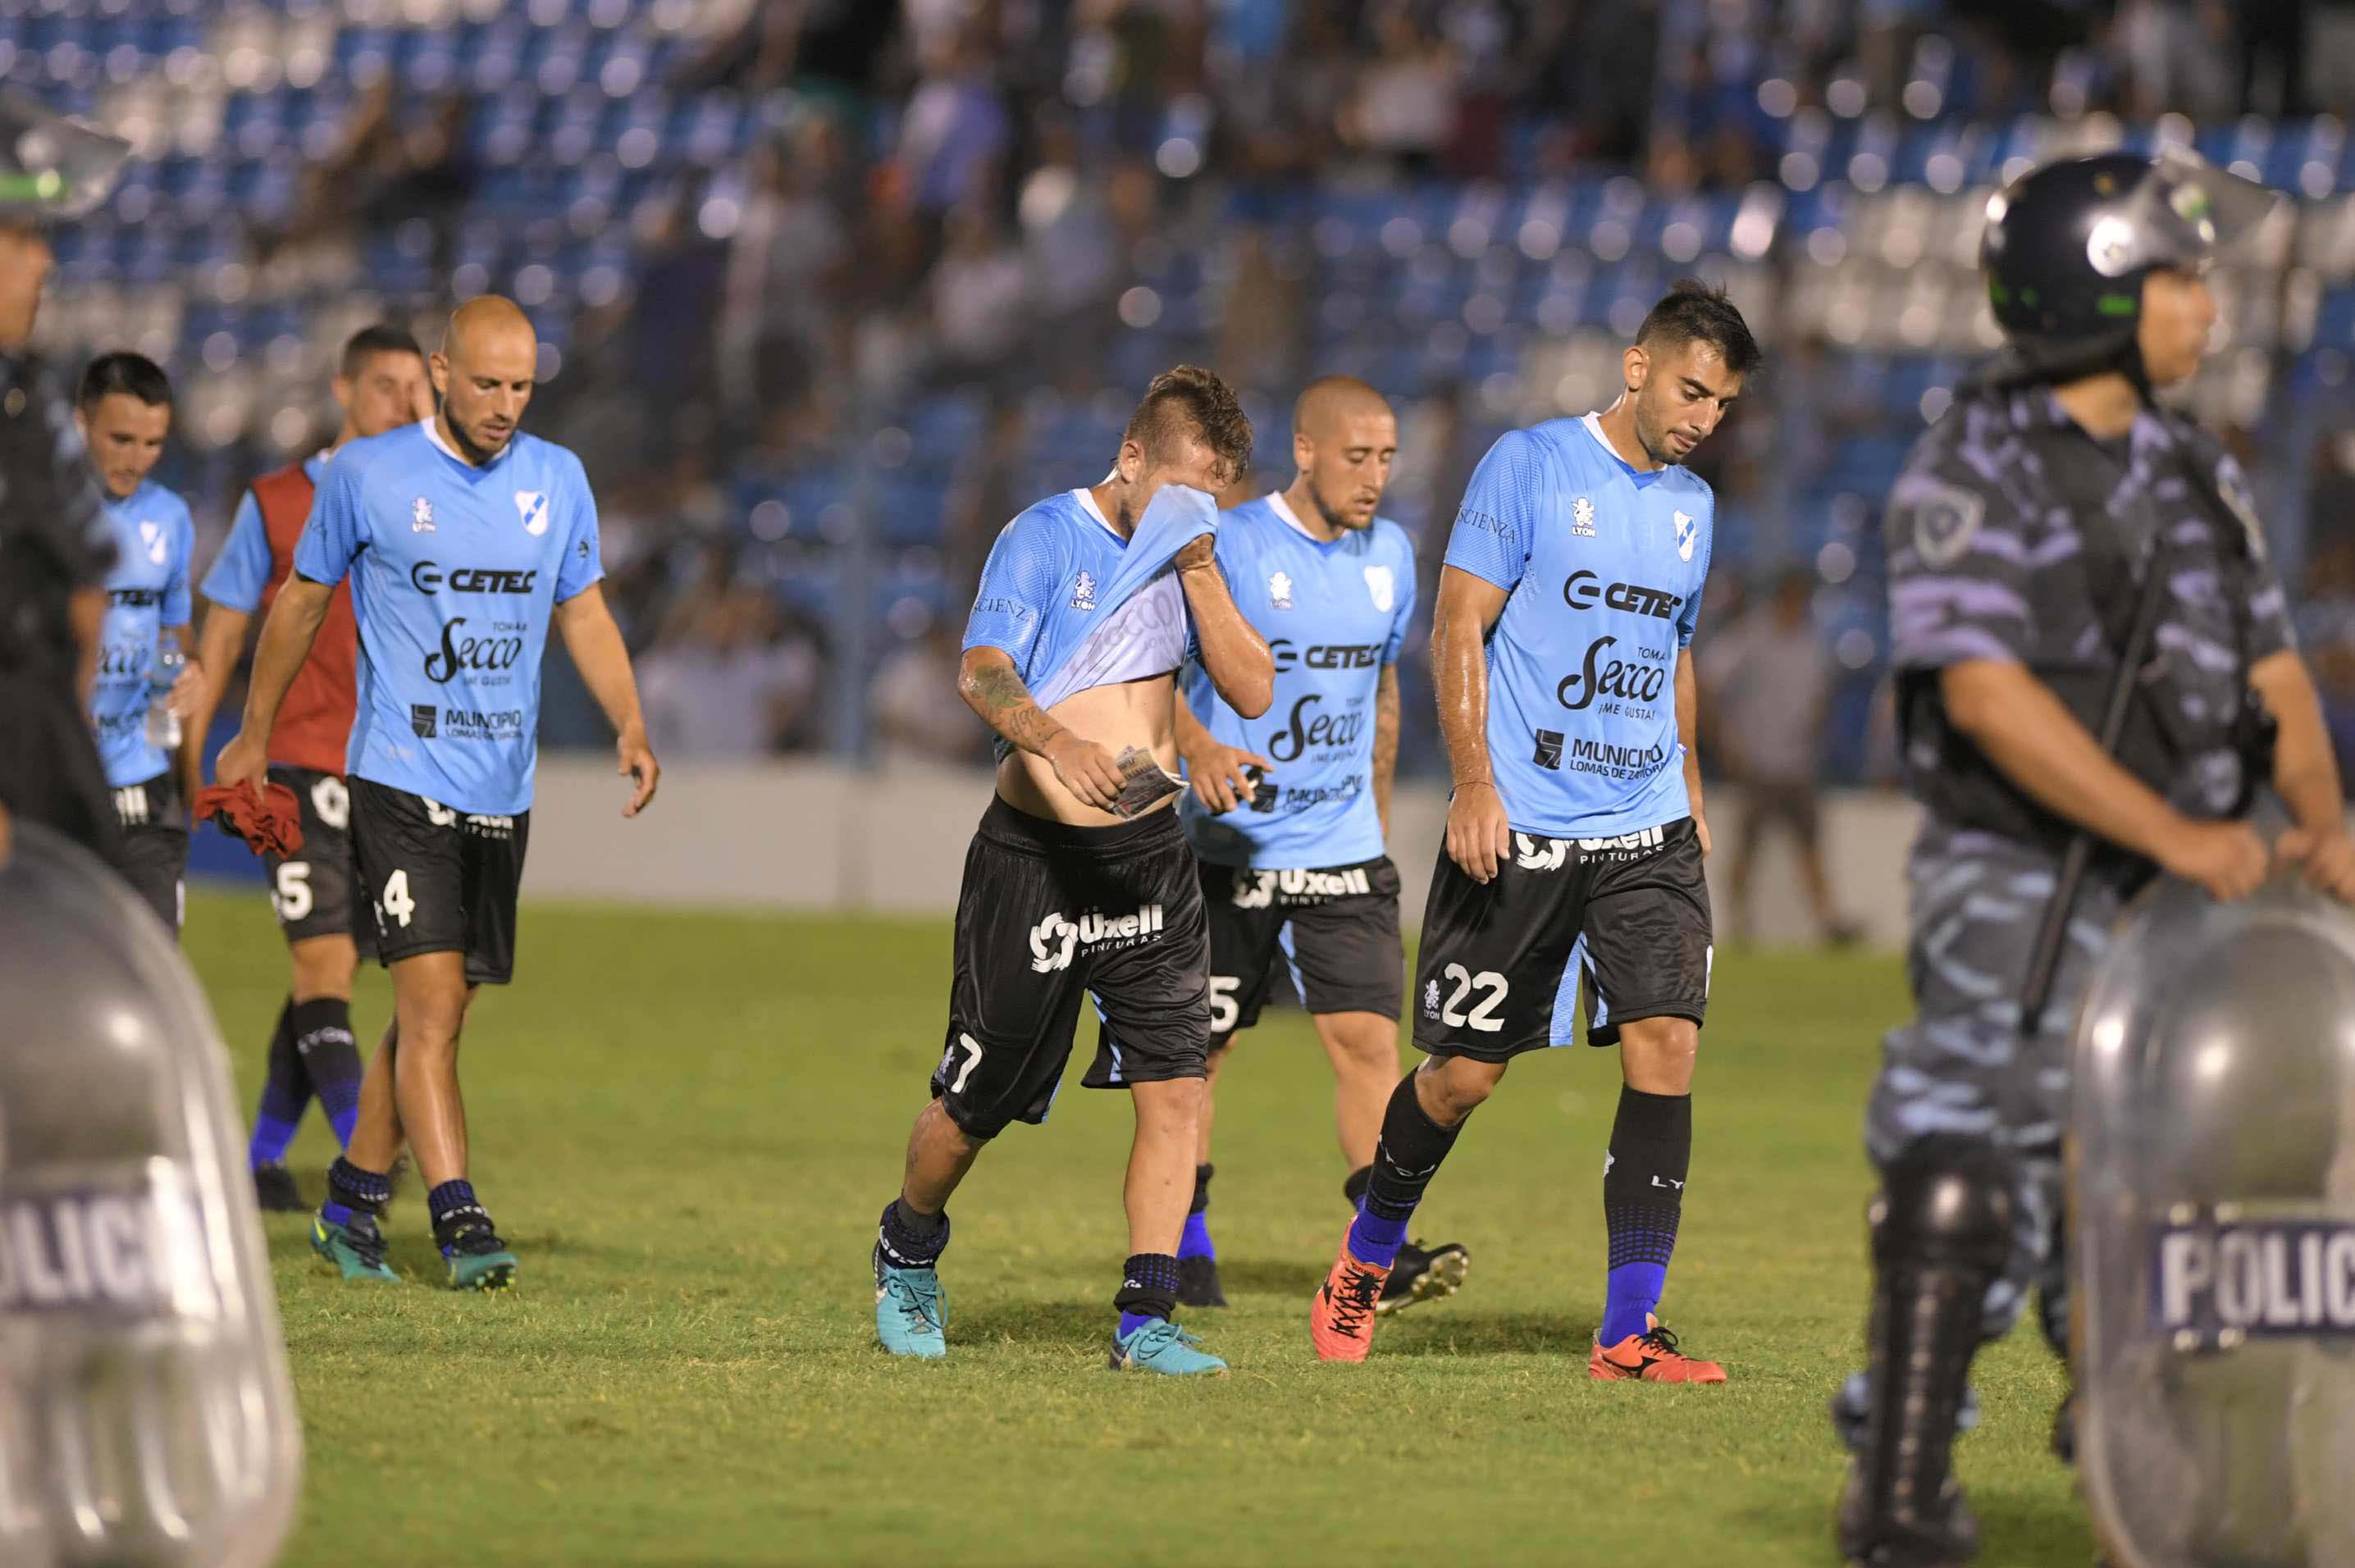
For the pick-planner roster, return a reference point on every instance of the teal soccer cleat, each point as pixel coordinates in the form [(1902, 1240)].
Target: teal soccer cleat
[(477, 1259), (1161, 1346), (356, 1248), (911, 1315)]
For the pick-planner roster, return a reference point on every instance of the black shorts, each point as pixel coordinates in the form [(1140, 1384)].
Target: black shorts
[(1337, 931), (1625, 920), (440, 880), (1050, 914), (155, 846), (317, 893)]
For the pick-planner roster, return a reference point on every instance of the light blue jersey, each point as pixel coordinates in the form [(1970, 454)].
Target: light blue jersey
[(1335, 616), (240, 575), (1075, 606), (147, 591), (1604, 564), (455, 570)]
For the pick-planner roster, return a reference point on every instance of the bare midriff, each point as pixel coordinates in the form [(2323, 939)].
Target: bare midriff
[(1116, 716)]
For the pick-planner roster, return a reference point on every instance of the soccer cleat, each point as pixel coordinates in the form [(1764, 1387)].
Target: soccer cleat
[(1198, 1283), (356, 1248), (274, 1189), (1649, 1356), (1423, 1274), (1341, 1317), (911, 1315), (1161, 1346), (478, 1260)]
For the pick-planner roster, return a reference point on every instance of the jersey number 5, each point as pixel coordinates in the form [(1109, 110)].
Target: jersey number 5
[(1482, 1017)]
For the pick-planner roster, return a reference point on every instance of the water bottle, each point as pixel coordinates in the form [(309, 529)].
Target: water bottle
[(163, 671), (146, 1415)]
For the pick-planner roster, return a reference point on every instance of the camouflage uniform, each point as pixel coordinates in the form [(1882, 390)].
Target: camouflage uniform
[(1999, 532)]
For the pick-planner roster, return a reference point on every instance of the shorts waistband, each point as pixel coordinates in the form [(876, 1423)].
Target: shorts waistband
[(1018, 830)]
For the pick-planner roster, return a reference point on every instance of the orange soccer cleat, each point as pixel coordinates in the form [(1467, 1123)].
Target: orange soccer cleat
[(1341, 1317), (1650, 1357)]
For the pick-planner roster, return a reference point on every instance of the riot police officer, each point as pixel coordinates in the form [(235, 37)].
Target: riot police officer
[(2091, 650), (54, 551)]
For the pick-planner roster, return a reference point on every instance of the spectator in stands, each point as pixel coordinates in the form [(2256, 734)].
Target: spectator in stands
[(1069, 247), (1765, 695), (783, 324), (954, 132), (1404, 107), (727, 689), (978, 293), (918, 716)]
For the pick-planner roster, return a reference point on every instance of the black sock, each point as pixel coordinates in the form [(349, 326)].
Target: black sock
[(284, 1094), (1202, 1174), (1148, 1288), (321, 1029), (912, 1240), (1354, 1189), (1642, 1197), (454, 1207), (349, 1188), (1405, 1160)]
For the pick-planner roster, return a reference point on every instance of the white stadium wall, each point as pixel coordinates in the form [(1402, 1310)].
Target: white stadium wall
[(814, 836)]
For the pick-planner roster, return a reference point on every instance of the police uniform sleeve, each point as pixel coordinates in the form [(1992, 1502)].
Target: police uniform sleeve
[(1496, 528), (1017, 586), (70, 532), (584, 561), (1958, 574), (2271, 630), (337, 529), (241, 571), (177, 608)]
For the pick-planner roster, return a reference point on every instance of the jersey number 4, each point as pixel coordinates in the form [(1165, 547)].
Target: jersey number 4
[(1482, 1017), (396, 901)]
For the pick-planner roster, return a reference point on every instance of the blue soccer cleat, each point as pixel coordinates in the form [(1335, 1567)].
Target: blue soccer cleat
[(1161, 1346), (911, 1315)]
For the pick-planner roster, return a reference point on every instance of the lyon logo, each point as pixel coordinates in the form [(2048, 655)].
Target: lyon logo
[(532, 505), (1383, 586), (1582, 517), (1688, 534), (151, 536), (1279, 590), (1540, 854), (1083, 593), (420, 516)]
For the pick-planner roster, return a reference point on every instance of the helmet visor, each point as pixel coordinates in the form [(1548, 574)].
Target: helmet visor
[(2181, 213), (52, 166)]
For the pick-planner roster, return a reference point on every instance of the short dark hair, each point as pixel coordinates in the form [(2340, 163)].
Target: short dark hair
[(1693, 310), (370, 341), (1188, 400), (123, 371)]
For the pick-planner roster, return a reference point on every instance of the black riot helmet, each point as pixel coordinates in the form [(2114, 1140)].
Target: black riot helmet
[(51, 166), (2067, 247)]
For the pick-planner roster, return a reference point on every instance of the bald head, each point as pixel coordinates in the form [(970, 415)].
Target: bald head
[(1344, 437), (483, 373)]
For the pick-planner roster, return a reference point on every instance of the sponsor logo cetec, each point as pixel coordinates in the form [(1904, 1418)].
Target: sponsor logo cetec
[(427, 576), (1055, 940), (1583, 591), (2287, 1277), (1325, 655), (135, 598)]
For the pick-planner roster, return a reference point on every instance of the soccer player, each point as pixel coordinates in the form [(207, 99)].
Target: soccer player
[(1090, 602), (464, 540), (123, 408), (1572, 859), (380, 385), (1290, 820)]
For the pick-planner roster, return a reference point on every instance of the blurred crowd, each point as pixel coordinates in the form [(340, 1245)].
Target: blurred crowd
[(964, 193)]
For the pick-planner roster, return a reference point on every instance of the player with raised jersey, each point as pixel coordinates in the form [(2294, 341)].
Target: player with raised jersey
[(1576, 836), (123, 408), (1290, 814), (1078, 886), (380, 384), (465, 541)]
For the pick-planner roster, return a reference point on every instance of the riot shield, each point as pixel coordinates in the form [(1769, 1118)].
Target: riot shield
[(2213, 1213), (146, 1412)]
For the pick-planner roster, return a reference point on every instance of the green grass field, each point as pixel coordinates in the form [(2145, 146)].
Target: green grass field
[(686, 1125)]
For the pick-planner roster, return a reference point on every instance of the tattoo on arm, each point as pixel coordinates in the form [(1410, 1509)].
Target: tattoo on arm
[(998, 695), (1386, 739)]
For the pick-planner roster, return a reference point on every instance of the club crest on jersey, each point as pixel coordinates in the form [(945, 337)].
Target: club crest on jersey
[(1279, 589), (532, 505), (1383, 586), (420, 516), (1688, 534), (1083, 593), (151, 536), (1582, 517)]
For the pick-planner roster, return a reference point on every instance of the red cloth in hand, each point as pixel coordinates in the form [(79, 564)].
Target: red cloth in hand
[(272, 824)]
